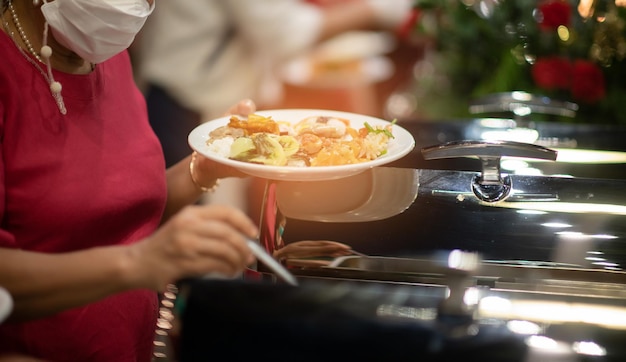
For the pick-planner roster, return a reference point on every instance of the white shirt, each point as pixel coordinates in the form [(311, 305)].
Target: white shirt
[(209, 54)]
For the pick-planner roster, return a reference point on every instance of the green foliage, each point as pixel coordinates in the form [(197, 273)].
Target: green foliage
[(489, 46)]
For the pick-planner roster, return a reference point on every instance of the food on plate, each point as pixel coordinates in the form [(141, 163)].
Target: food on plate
[(312, 141)]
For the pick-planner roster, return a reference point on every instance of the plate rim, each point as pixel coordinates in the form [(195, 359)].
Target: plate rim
[(295, 173)]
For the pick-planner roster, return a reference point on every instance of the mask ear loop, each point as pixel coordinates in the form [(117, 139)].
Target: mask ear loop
[(46, 53)]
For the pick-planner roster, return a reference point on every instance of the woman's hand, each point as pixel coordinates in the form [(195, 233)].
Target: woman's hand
[(194, 174), (206, 170), (312, 248), (196, 241), (243, 108)]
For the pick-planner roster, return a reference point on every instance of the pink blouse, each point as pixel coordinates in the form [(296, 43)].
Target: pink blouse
[(92, 177)]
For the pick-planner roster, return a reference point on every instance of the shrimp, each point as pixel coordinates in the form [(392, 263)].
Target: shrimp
[(226, 131), (310, 143), (331, 127)]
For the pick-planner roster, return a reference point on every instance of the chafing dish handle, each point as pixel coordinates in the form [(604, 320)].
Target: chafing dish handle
[(490, 186), (483, 149)]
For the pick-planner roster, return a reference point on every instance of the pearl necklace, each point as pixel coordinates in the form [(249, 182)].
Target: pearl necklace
[(20, 30), (46, 53)]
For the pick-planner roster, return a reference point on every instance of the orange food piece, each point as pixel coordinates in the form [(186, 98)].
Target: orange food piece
[(255, 125)]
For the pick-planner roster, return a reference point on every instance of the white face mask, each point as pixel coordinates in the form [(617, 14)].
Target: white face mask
[(96, 30)]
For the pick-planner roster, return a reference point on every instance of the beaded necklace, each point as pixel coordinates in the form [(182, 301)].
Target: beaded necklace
[(42, 57)]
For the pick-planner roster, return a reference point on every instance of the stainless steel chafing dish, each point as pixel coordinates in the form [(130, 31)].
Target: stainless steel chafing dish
[(478, 263), (545, 251)]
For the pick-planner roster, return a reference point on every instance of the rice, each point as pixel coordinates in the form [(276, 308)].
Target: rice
[(221, 146), (374, 145), (296, 163)]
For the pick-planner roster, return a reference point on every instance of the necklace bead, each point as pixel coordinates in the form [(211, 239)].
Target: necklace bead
[(46, 51), (55, 87)]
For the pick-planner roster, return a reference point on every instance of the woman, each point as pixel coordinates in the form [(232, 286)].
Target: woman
[(92, 226)]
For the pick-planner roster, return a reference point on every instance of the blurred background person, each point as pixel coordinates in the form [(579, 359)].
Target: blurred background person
[(195, 58)]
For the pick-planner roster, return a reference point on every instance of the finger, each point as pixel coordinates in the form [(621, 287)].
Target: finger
[(322, 247), (334, 244), (311, 243), (242, 108), (213, 259), (218, 256), (199, 225), (309, 248), (213, 248), (223, 240)]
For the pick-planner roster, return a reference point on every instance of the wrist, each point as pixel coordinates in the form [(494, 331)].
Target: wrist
[(128, 267), (201, 181)]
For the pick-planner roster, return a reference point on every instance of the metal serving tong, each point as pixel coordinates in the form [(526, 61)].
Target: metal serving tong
[(271, 263)]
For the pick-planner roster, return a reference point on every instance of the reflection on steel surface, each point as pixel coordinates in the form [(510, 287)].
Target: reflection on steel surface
[(491, 185), (544, 311)]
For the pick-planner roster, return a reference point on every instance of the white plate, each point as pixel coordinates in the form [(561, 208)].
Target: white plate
[(399, 146), (301, 72)]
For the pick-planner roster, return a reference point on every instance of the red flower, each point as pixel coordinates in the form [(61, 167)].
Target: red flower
[(552, 73), (554, 13), (588, 83)]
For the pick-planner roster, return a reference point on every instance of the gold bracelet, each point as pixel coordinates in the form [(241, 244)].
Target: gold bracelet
[(193, 177)]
